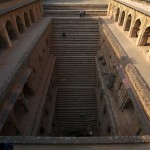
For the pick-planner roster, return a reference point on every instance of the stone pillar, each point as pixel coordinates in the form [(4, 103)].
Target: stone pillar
[(109, 8), (125, 21), (140, 40)]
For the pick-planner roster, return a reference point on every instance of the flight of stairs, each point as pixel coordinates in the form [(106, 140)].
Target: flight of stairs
[(76, 110), (72, 10)]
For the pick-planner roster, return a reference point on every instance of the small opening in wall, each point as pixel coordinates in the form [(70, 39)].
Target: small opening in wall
[(108, 130), (104, 110), (99, 123), (42, 131)]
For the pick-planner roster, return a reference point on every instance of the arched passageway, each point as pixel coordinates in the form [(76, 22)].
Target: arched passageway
[(117, 15), (32, 16), (145, 40), (3, 43), (27, 21), (20, 25), (19, 109), (128, 23), (9, 130), (11, 31), (136, 29), (122, 19)]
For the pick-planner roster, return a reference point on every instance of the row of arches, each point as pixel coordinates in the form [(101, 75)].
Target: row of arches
[(134, 26), (14, 32)]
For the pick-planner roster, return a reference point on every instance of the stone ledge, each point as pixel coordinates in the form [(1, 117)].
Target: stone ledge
[(75, 140)]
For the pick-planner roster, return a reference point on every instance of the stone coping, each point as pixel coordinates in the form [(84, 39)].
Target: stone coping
[(143, 8), (75, 140), (15, 57), (3, 11), (73, 4), (75, 1)]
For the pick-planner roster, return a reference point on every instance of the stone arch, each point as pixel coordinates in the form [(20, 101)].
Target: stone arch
[(32, 16), (27, 90), (27, 21), (117, 14), (128, 23), (122, 18), (19, 109), (136, 28), (20, 25), (11, 31), (145, 40), (128, 105), (9, 130), (3, 42)]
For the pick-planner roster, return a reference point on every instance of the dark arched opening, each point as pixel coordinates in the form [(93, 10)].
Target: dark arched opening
[(32, 16), (20, 25), (136, 29), (19, 109), (11, 31), (117, 15), (122, 18), (128, 23), (9, 130), (27, 90), (128, 105), (27, 21), (146, 37)]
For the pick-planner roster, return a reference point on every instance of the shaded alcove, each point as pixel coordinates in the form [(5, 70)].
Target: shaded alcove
[(9, 129), (20, 25), (32, 16), (145, 40), (136, 29), (27, 21), (11, 31), (19, 109), (128, 23)]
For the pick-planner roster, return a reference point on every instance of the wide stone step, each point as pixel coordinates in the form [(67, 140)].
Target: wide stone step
[(76, 38), (62, 53), (74, 30), (75, 46), (74, 21), (74, 6), (79, 25), (74, 13), (75, 84), (76, 42)]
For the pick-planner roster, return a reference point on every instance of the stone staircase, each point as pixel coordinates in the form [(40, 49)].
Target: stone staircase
[(72, 10), (76, 110)]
